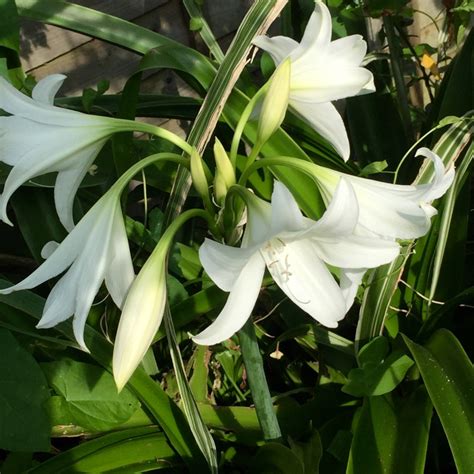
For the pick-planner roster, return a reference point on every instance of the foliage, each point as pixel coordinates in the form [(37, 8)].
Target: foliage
[(390, 390)]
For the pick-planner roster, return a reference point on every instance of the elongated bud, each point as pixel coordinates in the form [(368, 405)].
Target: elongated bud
[(141, 316), (275, 103), (198, 175), (225, 174), (220, 189), (223, 164)]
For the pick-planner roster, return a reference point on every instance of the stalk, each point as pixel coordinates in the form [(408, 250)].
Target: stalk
[(258, 383)]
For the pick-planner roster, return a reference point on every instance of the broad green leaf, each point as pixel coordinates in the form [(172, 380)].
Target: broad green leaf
[(274, 458), (377, 379), (23, 392), (308, 452), (151, 395), (448, 375), (390, 435), (91, 395), (9, 26), (133, 450)]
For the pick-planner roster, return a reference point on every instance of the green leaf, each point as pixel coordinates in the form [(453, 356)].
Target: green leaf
[(391, 435), (373, 168), (133, 450), (379, 373), (91, 395), (9, 26), (23, 391), (377, 379), (186, 260), (449, 379), (275, 458), (308, 452)]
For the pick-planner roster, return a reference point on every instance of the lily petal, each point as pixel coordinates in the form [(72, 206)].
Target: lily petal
[(239, 304), (69, 180), (325, 119), (350, 281), (286, 215), (47, 88), (340, 217), (119, 274), (279, 47), (300, 273), (356, 251), (223, 263)]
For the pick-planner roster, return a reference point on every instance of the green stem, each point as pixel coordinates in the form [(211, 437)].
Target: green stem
[(120, 184), (397, 71), (135, 126), (258, 383), (244, 118)]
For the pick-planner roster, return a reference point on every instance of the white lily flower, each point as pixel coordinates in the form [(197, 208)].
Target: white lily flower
[(141, 316), (322, 71), (39, 138), (390, 210), (295, 250), (95, 250)]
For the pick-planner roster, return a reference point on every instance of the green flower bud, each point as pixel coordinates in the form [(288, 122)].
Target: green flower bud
[(198, 175), (275, 103), (223, 165)]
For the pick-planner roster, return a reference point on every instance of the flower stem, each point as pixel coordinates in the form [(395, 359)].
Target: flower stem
[(258, 382)]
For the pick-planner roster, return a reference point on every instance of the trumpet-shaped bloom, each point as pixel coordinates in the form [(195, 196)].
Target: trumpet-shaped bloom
[(39, 138), (96, 250), (390, 210), (295, 250), (322, 71), (141, 316)]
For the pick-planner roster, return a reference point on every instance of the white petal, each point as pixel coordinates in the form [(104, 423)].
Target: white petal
[(60, 303), (47, 88), (64, 255), (279, 47), (317, 34), (69, 180), (350, 281), (239, 305), (119, 274), (286, 215), (313, 82), (325, 119), (299, 272), (48, 249), (223, 263), (259, 221), (141, 317), (348, 51), (442, 179), (340, 218), (92, 264), (16, 103), (356, 252)]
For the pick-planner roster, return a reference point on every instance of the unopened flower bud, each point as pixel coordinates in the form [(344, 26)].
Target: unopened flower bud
[(275, 102), (220, 189), (223, 164), (198, 175)]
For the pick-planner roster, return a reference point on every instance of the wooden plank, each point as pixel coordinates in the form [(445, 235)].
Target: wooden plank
[(42, 43), (96, 60)]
